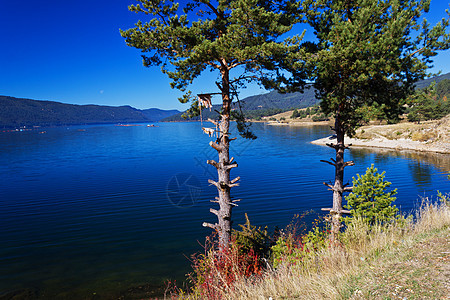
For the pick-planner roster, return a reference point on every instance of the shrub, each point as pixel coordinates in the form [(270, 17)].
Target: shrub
[(293, 246), (214, 272), (370, 199)]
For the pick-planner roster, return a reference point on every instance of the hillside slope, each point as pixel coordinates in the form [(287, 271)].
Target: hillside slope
[(18, 112), (262, 105), (273, 102), (430, 136)]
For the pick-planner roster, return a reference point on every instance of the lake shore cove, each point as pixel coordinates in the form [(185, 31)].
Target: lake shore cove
[(430, 136)]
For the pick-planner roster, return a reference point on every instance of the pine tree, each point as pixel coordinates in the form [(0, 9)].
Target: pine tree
[(369, 54), (423, 104), (370, 199), (220, 36)]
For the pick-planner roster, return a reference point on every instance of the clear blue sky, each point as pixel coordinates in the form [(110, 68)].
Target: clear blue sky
[(72, 52)]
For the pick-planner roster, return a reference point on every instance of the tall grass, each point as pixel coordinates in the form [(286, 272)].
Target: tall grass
[(324, 273)]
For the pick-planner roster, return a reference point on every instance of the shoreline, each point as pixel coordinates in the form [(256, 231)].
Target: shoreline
[(429, 136), (399, 145), (299, 123)]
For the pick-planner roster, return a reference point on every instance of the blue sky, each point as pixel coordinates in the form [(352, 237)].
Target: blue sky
[(72, 52)]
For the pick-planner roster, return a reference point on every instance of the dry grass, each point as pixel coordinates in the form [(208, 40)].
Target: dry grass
[(428, 131), (408, 259)]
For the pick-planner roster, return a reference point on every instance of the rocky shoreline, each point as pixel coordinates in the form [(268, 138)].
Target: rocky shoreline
[(432, 136), (400, 144)]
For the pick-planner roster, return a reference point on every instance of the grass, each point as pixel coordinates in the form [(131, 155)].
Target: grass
[(428, 131), (407, 260)]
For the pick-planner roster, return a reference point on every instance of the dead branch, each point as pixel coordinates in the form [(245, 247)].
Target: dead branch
[(236, 179), (231, 166), (212, 121), (332, 211), (214, 211), (215, 226), (328, 162), (215, 146), (216, 184), (329, 185), (349, 163), (213, 163)]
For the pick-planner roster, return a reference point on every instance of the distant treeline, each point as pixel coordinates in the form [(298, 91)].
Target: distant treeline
[(269, 104), (17, 112), (256, 107), (430, 103)]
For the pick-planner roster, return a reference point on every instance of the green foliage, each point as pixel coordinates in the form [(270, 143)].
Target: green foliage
[(242, 125), (370, 54), (295, 114), (252, 238), (429, 103), (444, 198), (294, 246), (317, 237), (320, 117), (370, 199), (443, 88), (186, 39)]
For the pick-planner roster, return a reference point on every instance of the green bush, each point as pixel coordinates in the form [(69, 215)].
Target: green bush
[(252, 238), (370, 199)]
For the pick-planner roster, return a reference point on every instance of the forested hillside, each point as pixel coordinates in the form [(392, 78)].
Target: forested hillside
[(274, 103), (263, 105), (156, 114), (17, 112)]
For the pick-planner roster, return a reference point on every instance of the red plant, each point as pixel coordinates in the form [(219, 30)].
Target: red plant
[(215, 271)]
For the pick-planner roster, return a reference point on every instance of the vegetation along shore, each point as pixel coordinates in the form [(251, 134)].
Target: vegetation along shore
[(432, 136)]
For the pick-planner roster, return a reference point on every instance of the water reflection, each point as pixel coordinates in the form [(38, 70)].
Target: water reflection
[(421, 173), (439, 160)]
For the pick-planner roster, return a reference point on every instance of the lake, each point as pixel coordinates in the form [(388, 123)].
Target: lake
[(103, 211)]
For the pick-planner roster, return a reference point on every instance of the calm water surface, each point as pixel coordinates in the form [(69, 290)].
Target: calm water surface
[(94, 211)]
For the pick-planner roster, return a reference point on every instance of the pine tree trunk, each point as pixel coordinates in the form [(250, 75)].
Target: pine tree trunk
[(224, 166), (223, 172), (338, 187)]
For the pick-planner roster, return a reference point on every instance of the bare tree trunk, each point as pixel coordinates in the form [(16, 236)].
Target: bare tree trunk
[(338, 181), (224, 166), (338, 188)]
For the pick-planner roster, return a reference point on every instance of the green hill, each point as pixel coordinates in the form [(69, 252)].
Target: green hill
[(18, 112), (274, 103), (262, 105), (156, 114), (425, 83)]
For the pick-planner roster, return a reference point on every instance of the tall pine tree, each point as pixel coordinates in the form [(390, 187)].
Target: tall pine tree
[(368, 54), (220, 36)]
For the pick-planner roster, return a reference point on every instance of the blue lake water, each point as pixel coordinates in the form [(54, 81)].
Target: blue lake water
[(94, 211)]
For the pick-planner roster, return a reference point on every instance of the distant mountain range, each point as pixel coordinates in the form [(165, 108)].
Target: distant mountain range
[(18, 112), (425, 83)]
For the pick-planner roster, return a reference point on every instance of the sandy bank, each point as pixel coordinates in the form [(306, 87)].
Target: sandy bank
[(400, 144), (298, 123), (433, 136)]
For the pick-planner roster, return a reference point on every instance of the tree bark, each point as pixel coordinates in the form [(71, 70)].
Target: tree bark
[(224, 166), (338, 188)]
